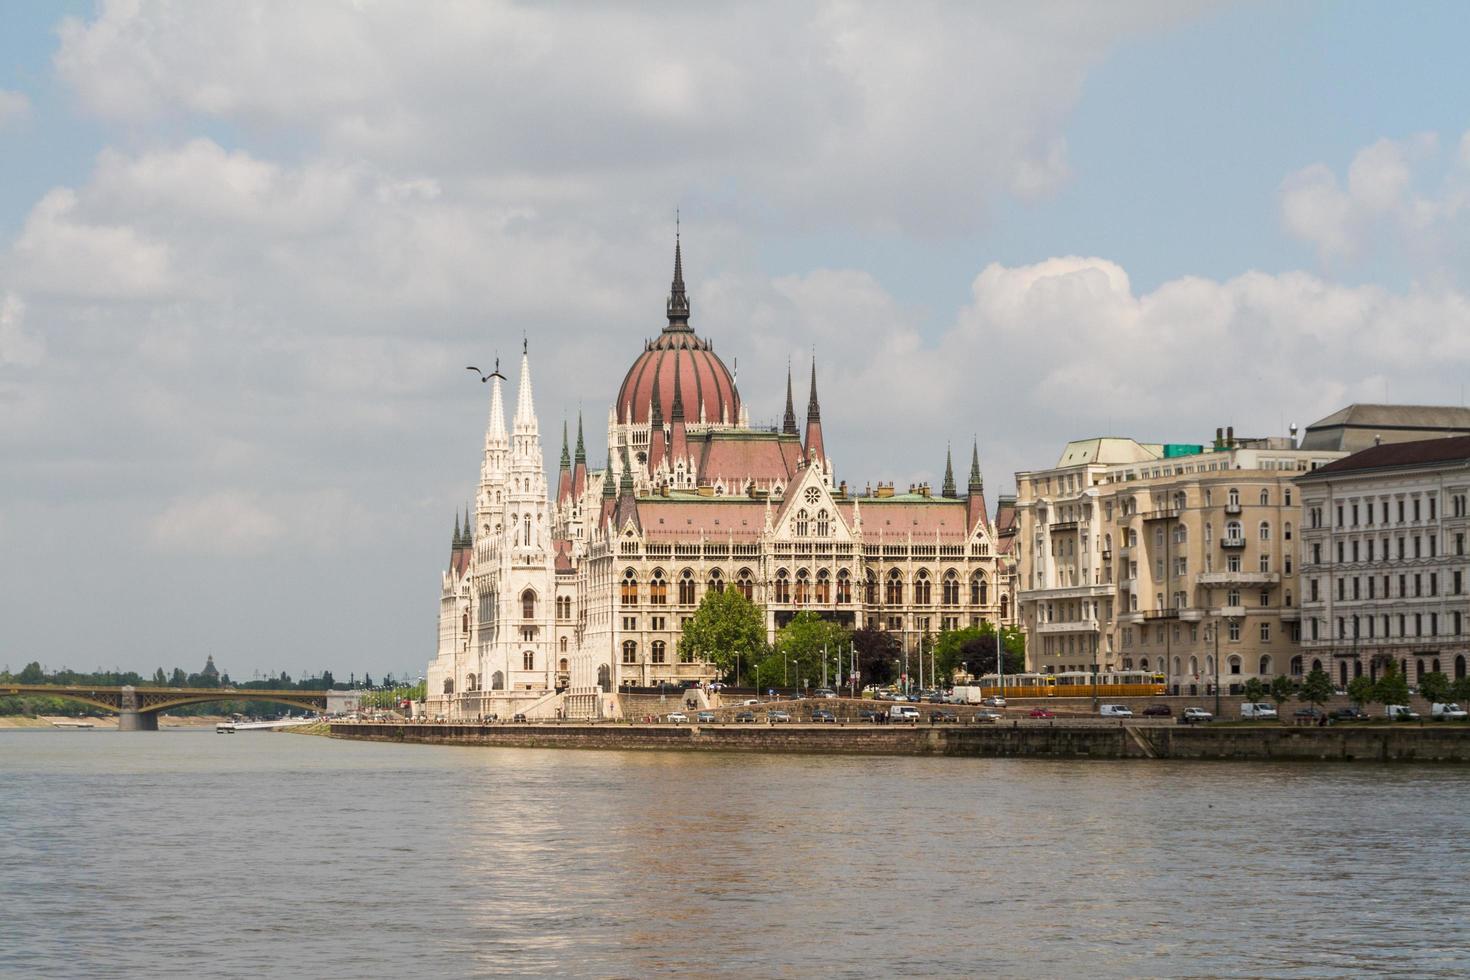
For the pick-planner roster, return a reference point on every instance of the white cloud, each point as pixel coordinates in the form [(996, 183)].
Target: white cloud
[(14, 107), (908, 116), (1390, 204), (17, 347), (223, 523)]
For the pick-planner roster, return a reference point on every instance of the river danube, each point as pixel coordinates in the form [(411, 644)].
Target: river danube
[(196, 855)]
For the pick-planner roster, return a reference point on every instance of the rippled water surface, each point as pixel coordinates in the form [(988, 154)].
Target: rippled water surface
[(195, 855)]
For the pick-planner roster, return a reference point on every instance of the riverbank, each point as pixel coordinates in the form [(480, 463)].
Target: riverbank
[(1052, 739), (104, 722)]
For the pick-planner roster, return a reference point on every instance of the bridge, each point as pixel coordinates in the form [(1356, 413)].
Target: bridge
[(137, 708)]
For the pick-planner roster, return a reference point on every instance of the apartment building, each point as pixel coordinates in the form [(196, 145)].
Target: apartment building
[(1173, 558), (1384, 562)]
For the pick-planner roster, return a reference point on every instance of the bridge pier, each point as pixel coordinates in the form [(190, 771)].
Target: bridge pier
[(137, 721)]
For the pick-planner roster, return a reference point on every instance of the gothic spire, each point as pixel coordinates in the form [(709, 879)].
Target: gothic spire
[(496, 429), (625, 482), (676, 414), (609, 484), (525, 406), (566, 458), (469, 527), (581, 456), (788, 423), (977, 483), (458, 536), (948, 489), (813, 410), (678, 307)]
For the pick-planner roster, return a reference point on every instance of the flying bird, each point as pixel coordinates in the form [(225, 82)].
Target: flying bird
[(486, 377)]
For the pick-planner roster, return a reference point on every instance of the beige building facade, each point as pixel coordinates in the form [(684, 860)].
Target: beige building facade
[(1176, 559)]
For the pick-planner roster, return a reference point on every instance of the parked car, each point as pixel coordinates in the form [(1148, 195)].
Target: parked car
[(1399, 712), (1348, 714), (676, 717), (1158, 711), (705, 718), (1447, 712), (519, 717), (745, 716), (987, 717), (824, 692), (944, 716), (1039, 713), (994, 701), (748, 702), (822, 714), (1309, 715), (1115, 711), (901, 712), (777, 715), (1258, 711), (869, 714), (1195, 716)]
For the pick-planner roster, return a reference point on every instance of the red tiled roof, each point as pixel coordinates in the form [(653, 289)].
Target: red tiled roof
[(898, 518), (564, 557), (764, 457), (715, 518)]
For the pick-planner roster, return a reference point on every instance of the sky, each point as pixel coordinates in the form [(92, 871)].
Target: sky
[(247, 248)]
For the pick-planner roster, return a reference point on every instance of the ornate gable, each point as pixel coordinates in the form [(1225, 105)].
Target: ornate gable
[(808, 510)]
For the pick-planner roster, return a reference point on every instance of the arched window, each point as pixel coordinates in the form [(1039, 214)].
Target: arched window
[(1296, 666), (783, 586), (1194, 666), (979, 589), (1234, 531), (449, 683), (1265, 498), (1233, 498), (870, 588), (1460, 667), (1265, 530), (658, 589), (528, 604), (716, 580), (563, 643), (1143, 663), (844, 587), (1265, 666), (824, 588), (497, 681), (1316, 664), (630, 588), (893, 594), (527, 521), (950, 594), (656, 651), (803, 587), (464, 622), (469, 683), (528, 660), (562, 665), (745, 584), (604, 678), (686, 587), (922, 595), (824, 524), (1234, 664), (1005, 603), (1181, 534), (1179, 500), (630, 652), (802, 525)]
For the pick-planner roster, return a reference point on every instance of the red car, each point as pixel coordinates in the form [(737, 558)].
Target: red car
[(1040, 713)]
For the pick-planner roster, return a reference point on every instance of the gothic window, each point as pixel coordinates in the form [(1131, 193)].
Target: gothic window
[(803, 524), (824, 588), (686, 588), (783, 587), (1005, 602), (893, 595), (656, 651), (562, 665), (745, 584), (979, 590), (528, 604), (658, 589), (844, 587), (497, 681), (686, 655), (527, 523), (716, 581), (449, 685), (803, 587), (469, 683), (630, 652), (951, 590), (922, 595), (630, 588), (813, 495), (824, 524), (870, 588), (528, 660)]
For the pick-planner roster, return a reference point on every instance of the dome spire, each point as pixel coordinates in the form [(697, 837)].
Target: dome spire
[(678, 307)]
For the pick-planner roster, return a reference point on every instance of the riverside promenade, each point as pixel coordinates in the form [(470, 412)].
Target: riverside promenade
[(1013, 738)]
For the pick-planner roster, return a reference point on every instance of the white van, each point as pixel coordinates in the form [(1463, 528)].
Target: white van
[(1259, 710), (1115, 711), (903, 712), (1447, 712)]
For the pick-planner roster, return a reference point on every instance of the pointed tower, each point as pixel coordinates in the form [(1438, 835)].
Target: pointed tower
[(458, 535), (816, 452), (678, 307), (788, 422), (678, 437), (579, 463), (975, 504), (657, 447), (564, 475), (490, 502), (625, 482), (469, 528), (977, 484), (948, 489), (609, 481)]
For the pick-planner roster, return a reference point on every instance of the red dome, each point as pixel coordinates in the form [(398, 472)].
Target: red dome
[(703, 382), (678, 355)]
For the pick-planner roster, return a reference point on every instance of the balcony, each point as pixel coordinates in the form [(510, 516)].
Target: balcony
[(1107, 554), (1240, 578), (1191, 614), (1057, 527), (1128, 584), (1075, 626), (1291, 614), (1232, 542), (1152, 614), (1161, 514), (1232, 508), (1123, 550), (1231, 612)]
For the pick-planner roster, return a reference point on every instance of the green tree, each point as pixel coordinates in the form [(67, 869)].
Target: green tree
[(1362, 691), (1435, 687), (1253, 689), (1460, 689), (1392, 687), (725, 626), (801, 645), (160, 679), (1316, 688), (31, 673), (876, 652), (178, 678), (1283, 689), (973, 648)]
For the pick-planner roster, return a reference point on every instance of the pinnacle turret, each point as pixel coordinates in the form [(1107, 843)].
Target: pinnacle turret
[(678, 307), (566, 456), (581, 456), (813, 410), (469, 528), (625, 482), (977, 483), (458, 535), (609, 483), (947, 490), (788, 422)]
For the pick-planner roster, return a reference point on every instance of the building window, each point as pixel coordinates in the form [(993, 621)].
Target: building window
[(528, 660), (658, 589), (824, 588), (630, 588), (1265, 531), (716, 581), (656, 651), (1234, 663), (950, 591), (630, 652), (745, 584), (922, 595), (783, 586), (979, 590), (844, 587), (528, 604), (1265, 634), (824, 524), (1235, 629), (893, 594), (803, 587)]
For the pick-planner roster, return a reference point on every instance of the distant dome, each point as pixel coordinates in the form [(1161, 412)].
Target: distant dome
[(678, 353)]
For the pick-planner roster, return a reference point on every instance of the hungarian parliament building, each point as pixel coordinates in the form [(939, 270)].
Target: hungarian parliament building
[(555, 600)]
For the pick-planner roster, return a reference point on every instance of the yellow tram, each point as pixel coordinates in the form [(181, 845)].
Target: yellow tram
[(1068, 684)]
